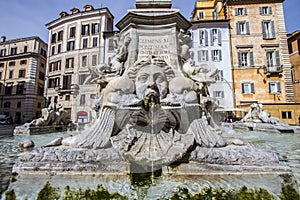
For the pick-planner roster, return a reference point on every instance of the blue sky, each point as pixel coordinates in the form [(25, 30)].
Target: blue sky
[(24, 18)]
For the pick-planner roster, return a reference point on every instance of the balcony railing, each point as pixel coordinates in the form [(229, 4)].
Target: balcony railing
[(273, 70)]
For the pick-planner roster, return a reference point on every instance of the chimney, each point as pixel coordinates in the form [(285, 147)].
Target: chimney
[(3, 39)]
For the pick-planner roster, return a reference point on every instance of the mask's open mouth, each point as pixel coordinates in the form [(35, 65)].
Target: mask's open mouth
[(151, 99)]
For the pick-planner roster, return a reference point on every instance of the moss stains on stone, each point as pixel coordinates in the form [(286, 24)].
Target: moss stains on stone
[(10, 195), (48, 193), (89, 194), (220, 194)]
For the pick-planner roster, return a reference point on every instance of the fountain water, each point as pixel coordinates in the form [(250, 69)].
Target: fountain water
[(157, 119)]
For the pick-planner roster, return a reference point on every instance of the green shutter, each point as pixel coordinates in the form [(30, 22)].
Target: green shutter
[(251, 57), (247, 28), (277, 57)]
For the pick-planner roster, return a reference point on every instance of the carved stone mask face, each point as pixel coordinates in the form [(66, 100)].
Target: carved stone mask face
[(151, 79)]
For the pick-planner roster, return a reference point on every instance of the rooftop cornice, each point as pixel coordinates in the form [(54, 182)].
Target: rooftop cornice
[(243, 2), (79, 15), (22, 40)]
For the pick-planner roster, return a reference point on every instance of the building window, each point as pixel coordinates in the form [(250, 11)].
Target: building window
[(245, 59), (95, 42), (11, 74), (6, 104), (52, 50), (19, 103), (72, 32), (214, 15), (39, 105), (71, 45), (20, 88), (248, 88), (84, 43), (70, 63), (273, 60), (203, 55), (290, 47), (111, 45), (85, 29), (83, 61), (43, 52), (82, 78), (94, 60), (53, 38), (265, 10), (41, 90), (1, 65), (215, 37), (216, 55), (12, 63), (25, 49), (3, 52), (41, 76), (242, 28), (268, 30), (55, 66), (218, 94), (201, 15), (23, 62), (13, 51), (82, 100), (22, 73), (203, 39), (286, 114), (240, 11), (274, 87), (8, 88), (58, 48), (54, 82), (219, 76), (68, 97), (95, 28), (67, 80), (60, 36)]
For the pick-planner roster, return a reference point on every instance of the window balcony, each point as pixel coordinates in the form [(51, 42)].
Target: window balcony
[(274, 70)]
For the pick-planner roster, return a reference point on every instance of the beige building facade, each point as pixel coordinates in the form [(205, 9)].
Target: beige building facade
[(22, 78), (260, 59), (294, 51), (76, 45)]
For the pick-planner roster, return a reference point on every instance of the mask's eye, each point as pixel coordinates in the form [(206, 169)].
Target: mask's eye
[(143, 78)]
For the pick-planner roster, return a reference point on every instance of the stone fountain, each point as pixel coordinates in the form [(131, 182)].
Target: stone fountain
[(155, 118), (258, 119)]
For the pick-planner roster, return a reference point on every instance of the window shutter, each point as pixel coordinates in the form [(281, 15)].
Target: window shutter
[(263, 30), (251, 58), (270, 10), (219, 38), (199, 56), (220, 55), (206, 38), (212, 54), (236, 11), (278, 87), (211, 37), (245, 11), (206, 54), (238, 28), (273, 29), (261, 10), (252, 88), (277, 57), (243, 88), (247, 28), (240, 58), (222, 94), (269, 87)]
